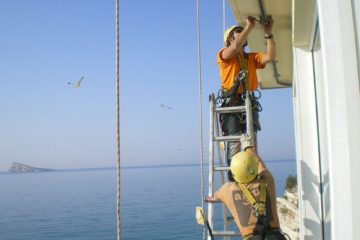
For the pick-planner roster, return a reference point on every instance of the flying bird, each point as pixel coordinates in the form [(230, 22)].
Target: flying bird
[(164, 106), (76, 84)]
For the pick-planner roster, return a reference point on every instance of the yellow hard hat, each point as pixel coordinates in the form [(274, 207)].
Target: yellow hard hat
[(244, 167), (227, 32)]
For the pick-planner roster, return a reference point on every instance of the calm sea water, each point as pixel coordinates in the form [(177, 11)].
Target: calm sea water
[(157, 203)]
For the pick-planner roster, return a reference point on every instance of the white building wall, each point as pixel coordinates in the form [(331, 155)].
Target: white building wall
[(327, 120), (356, 16), (322, 134), (342, 103), (307, 152)]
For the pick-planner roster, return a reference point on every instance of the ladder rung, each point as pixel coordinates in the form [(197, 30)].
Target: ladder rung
[(233, 138), (226, 233), (230, 109), (221, 168)]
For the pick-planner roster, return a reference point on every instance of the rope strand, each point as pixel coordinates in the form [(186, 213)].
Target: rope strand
[(117, 120), (223, 15), (200, 106)]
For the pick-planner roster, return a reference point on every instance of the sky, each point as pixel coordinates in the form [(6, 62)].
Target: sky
[(44, 122)]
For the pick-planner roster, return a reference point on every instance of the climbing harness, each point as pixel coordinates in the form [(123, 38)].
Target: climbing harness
[(231, 97), (257, 206), (228, 97), (262, 229)]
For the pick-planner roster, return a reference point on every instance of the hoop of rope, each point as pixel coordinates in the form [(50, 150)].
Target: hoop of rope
[(117, 60), (200, 106)]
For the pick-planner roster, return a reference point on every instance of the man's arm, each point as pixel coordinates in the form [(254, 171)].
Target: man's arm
[(270, 44), (216, 198), (212, 199), (239, 40)]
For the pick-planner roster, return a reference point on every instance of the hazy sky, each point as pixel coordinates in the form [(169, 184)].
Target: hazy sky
[(45, 122)]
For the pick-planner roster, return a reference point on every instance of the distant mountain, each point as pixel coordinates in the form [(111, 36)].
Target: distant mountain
[(20, 168)]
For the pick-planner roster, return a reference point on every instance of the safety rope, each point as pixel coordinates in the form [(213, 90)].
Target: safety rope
[(223, 15), (200, 107), (117, 120)]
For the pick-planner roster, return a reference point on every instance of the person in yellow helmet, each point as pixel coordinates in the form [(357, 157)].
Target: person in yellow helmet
[(251, 199), (231, 59)]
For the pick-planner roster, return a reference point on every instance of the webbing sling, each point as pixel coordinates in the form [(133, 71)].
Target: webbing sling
[(259, 206), (243, 63)]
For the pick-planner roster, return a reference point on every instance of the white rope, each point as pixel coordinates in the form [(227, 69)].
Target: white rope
[(117, 120), (223, 15), (200, 107)]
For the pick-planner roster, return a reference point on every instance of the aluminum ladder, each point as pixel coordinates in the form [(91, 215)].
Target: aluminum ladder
[(221, 166)]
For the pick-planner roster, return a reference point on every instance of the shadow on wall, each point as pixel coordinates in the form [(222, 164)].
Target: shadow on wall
[(314, 187)]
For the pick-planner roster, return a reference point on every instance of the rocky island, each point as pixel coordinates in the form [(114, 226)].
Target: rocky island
[(22, 168)]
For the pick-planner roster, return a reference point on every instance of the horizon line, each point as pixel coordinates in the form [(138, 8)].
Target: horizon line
[(150, 166)]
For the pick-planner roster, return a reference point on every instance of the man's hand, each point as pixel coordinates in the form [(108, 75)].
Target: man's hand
[(250, 22), (246, 141), (270, 44), (269, 25), (211, 199)]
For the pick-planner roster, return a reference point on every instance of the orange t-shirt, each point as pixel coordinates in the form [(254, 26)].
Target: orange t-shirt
[(231, 67)]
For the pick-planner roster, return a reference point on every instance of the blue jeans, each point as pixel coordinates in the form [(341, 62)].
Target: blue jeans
[(235, 124)]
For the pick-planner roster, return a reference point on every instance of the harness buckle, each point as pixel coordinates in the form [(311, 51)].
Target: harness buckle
[(259, 209)]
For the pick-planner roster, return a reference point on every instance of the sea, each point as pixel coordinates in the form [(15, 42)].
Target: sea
[(157, 203)]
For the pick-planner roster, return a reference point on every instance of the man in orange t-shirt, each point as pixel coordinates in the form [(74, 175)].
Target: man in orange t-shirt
[(231, 60)]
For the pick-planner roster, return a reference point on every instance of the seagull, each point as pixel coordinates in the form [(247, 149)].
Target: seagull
[(165, 107), (76, 84)]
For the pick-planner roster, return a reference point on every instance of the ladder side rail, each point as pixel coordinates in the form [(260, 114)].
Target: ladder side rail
[(215, 137), (211, 162), (249, 118), (222, 175), (220, 159)]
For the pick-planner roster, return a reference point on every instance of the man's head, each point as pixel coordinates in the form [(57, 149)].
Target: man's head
[(244, 167), (229, 34)]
